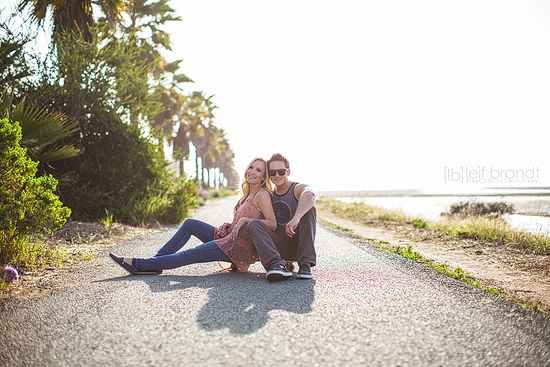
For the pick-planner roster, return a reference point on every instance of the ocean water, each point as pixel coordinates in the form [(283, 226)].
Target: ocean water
[(431, 207)]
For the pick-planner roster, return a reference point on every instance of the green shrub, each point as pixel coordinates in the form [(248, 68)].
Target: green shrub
[(183, 197), (171, 205), (126, 174), (27, 204), (419, 223), (472, 208)]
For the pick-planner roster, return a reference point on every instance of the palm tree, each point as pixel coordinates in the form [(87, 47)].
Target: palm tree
[(197, 112), (212, 154), (146, 18), (13, 60), (218, 155), (180, 145), (225, 163), (71, 15), (200, 141), (142, 27), (165, 125)]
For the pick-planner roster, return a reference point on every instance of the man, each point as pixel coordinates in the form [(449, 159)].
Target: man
[(294, 237)]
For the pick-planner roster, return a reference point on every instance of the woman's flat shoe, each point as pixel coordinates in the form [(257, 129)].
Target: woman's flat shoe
[(129, 268), (120, 261)]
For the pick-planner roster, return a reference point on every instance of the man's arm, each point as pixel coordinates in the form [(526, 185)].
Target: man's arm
[(306, 200)]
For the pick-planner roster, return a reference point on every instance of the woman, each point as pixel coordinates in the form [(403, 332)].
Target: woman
[(229, 243)]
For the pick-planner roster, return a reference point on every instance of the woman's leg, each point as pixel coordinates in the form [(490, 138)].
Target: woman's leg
[(202, 230), (206, 252)]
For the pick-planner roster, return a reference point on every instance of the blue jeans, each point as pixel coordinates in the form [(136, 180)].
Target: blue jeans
[(168, 256)]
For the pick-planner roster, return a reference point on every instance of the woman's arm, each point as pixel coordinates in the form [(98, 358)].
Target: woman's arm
[(262, 200)]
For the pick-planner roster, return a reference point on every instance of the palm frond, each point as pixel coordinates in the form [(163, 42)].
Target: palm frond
[(56, 154), (41, 128)]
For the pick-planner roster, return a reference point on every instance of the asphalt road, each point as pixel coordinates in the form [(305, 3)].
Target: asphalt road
[(364, 307)]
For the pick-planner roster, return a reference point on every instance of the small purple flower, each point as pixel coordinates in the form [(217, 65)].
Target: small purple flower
[(10, 274), (203, 192)]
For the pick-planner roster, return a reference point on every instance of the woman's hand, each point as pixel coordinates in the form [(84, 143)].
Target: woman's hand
[(242, 222), (222, 230)]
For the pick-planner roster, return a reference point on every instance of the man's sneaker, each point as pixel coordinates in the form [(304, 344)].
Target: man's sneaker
[(304, 272), (279, 272)]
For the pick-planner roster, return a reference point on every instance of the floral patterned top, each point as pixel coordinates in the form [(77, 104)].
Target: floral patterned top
[(241, 252)]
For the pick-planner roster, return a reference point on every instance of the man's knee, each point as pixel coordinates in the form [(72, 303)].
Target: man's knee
[(312, 213), (309, 220)]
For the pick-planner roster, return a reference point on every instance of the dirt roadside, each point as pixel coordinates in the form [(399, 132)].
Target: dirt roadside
[(523, 277), (81, 241)]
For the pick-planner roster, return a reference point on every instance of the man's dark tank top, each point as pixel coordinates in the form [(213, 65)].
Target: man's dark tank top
[(285, 206)]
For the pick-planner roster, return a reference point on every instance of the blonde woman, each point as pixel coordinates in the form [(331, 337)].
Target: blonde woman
[(228, 243)]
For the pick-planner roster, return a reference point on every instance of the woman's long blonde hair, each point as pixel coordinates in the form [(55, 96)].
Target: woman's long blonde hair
[(245, 186)]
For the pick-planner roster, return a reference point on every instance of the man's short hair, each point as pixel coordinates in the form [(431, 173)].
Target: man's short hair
[(278, 157)]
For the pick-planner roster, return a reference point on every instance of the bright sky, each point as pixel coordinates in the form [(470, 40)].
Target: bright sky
[(372, 94)]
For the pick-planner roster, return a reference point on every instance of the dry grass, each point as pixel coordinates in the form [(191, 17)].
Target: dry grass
[(496, 230), (361, 212), (483, 228)]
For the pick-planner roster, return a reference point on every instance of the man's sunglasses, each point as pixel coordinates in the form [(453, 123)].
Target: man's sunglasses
[(281, 172)]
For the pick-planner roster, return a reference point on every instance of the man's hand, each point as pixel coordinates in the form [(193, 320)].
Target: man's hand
[(291, 226), (306, 200)]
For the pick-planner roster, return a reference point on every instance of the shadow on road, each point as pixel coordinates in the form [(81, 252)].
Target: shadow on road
[(239, 302)]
